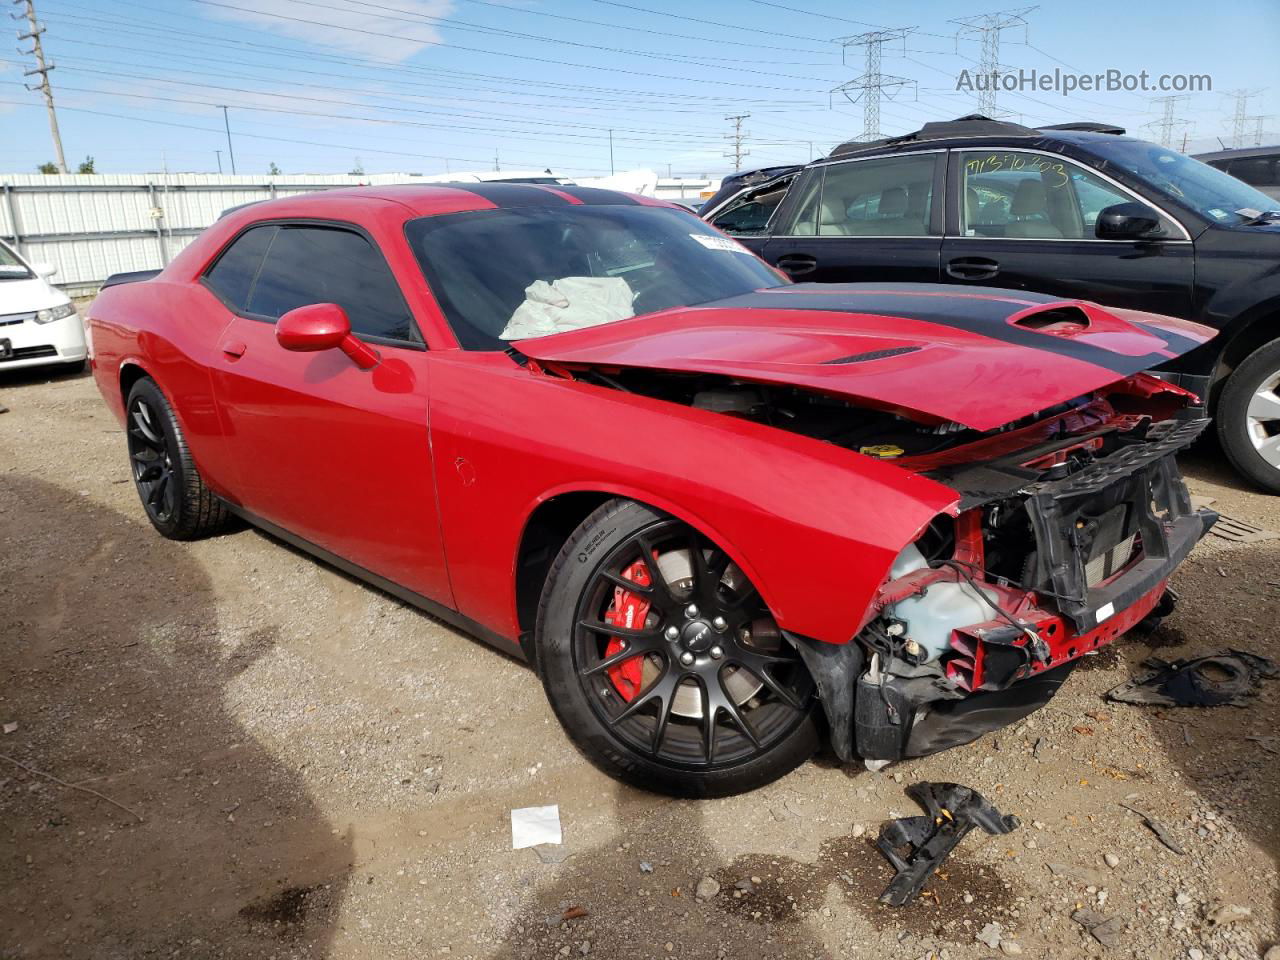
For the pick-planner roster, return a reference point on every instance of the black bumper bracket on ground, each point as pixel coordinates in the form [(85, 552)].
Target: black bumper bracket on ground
[(951, 811)]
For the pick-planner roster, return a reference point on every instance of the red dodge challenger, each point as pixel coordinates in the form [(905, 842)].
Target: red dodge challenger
[(723, 515)]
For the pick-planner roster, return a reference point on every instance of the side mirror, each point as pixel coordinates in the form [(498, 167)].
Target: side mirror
[(323, 326), (45, 270), (1128, 221)]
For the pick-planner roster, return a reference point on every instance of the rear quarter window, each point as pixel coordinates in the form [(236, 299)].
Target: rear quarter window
[(232, 275)]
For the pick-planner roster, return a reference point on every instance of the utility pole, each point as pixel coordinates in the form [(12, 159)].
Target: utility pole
[(226, 122), (1168, 121), (988, 27), (611, 153), (872, 85), (219, 153), (736, 139), (41, 69), (1240, 118), (497, 167)]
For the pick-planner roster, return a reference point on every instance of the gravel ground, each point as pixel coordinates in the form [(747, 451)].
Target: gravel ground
[(312, 769)]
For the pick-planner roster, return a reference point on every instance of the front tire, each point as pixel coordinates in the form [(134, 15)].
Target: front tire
[(1248, 417), (173, 494), (662, 662)]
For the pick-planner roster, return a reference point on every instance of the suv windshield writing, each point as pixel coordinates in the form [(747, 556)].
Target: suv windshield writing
[(1208, 191), (520, 272)]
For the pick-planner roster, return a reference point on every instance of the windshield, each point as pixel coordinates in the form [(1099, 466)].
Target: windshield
[(1211, 193), (11, 268), (512, 273)]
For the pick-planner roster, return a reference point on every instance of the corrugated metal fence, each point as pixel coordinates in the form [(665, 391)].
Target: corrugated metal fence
[(90, 226)]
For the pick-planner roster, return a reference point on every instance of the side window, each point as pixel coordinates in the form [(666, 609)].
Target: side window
[(1032, 196), (232, 275), (750, 213), (1256, 171), (889, 197), (315, 264)]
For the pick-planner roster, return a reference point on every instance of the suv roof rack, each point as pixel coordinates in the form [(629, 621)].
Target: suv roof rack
[(972, 125), (1086, 126)]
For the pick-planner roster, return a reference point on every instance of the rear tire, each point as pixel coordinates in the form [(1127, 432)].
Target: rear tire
[(1248, 417), (173, 494), (648, 728)]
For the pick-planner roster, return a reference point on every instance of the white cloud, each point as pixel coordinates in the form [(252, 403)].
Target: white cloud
[(361, 31)]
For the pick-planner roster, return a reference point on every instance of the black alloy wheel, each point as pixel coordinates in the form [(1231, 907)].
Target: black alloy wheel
[(152, 461), (688, 685), (178, 502)]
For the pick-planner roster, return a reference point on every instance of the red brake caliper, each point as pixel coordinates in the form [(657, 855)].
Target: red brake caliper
[(628, 610)]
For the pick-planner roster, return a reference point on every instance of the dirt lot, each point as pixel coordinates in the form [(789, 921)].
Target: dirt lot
[(312, 769)]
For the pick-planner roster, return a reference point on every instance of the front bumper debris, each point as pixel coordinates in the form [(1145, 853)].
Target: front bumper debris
[(916, 846)]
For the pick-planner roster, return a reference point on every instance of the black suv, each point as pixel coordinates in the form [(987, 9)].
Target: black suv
[(1076, 210)]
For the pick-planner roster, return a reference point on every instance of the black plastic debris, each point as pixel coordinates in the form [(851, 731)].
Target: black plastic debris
[(916, 846), (1231, 677)]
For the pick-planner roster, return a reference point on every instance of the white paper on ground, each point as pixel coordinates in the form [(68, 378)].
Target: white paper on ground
[(531, 826)]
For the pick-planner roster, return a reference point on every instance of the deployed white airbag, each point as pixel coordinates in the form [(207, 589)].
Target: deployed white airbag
[(569, 303)]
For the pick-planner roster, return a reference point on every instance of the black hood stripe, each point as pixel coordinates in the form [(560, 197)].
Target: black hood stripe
[(979, 315)]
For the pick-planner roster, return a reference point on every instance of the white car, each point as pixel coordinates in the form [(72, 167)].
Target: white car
[(38, 323)]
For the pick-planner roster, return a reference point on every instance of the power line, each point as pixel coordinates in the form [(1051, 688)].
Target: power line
[(873, 84), (134, 27), (517, 56), (451, 97), (310, 143), (710, 23), (649, 135), (41, 69), (453, 23), (665, 34)]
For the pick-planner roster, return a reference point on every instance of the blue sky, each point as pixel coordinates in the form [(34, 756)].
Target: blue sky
[(321, 86)]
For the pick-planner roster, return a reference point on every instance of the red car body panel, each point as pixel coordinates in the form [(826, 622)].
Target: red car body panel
[(426, 470), (944, 371)]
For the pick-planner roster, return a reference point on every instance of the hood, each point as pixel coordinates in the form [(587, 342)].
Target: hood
[(27, 296), (979, 357)]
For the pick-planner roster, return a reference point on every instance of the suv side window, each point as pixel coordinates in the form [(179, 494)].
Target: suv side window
[(1031, 196), (887, 197), (308, 264)]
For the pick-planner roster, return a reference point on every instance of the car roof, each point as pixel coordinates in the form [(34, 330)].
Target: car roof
[(427, 200)]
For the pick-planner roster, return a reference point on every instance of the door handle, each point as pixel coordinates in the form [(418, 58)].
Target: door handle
[(797, 264), (972, 268), (234, 349)]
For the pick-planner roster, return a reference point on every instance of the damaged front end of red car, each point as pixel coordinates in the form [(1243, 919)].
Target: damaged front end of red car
[(1057, 550)]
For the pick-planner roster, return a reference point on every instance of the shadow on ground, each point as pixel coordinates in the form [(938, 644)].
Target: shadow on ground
[(112, 667)]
